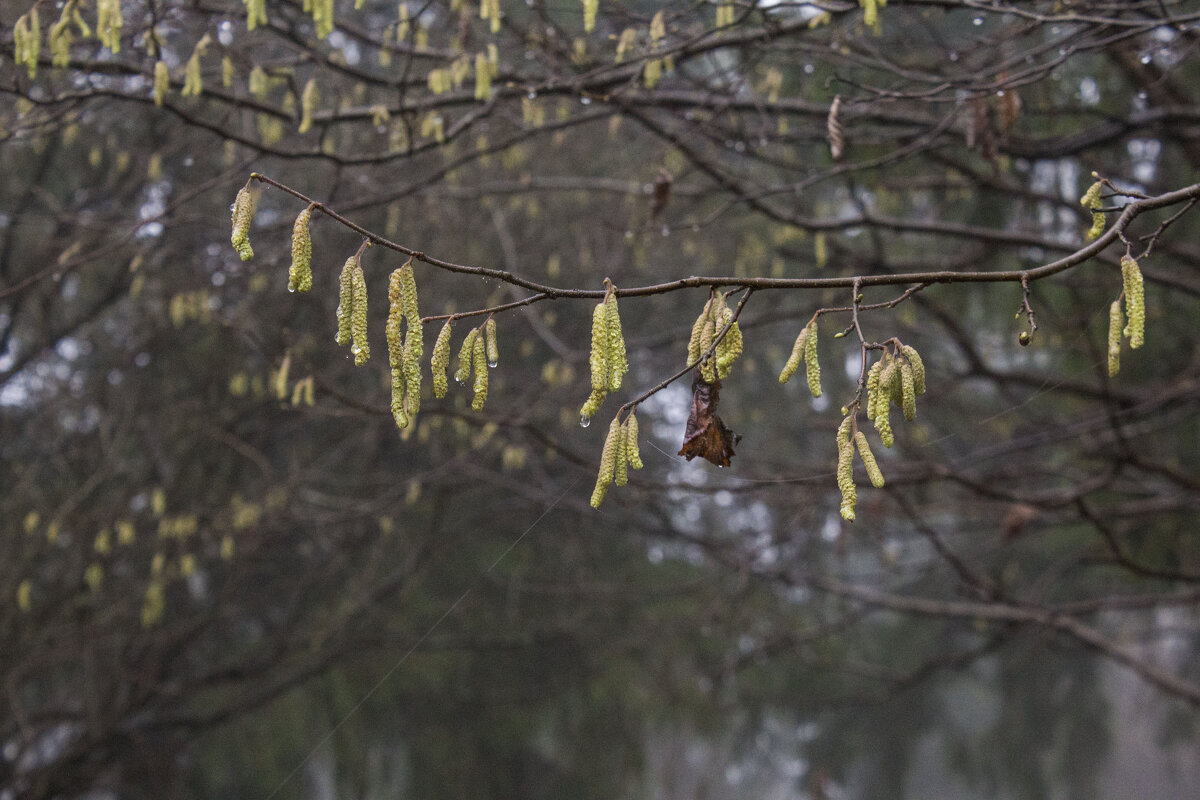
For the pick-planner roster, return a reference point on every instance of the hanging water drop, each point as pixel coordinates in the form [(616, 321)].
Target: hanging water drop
[(493, 362), (291, 288), (584, 420)]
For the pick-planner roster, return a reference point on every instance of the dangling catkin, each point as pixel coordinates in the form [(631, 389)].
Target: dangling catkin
[(845, 481), (396, 348), (414, 339), (631, 442), (868, 459), (493, 347), (1091, 199), (908, 393), (1115, 322), (873, 388), (358, 316), (810, 360), (794, 360), (608, 463), (441, 360), (698, 329), (882, 416), (300, 273), (598, 359), (618, 364), (465, 355), (1135, 302), (918, 367), (346, 300), (479, 353), (243, 215), (621, 466)]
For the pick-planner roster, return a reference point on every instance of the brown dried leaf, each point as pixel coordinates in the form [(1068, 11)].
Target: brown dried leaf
[(706, 435)]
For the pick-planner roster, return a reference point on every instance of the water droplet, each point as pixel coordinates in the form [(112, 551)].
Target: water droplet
[(355, 350), (1146, 59), (584, 420), (977, 21), (492, 362), (291, 288), (587, 101), (460, 380)]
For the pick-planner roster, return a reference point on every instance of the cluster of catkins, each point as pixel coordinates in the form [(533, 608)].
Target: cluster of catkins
[(619, 455), (1135, 311), (716, 317), (804, 351), (607, 360), (1091, 200), (479, 351)]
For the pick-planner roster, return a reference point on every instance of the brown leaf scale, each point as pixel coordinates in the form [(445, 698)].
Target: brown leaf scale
[(706, 435)]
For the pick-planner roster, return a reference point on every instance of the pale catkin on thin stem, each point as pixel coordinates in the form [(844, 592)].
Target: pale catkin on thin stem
[(300, 272), (868, 459), (360, 347), (1135, 302), (441, 359), (493, 346), (845, 481), (479, 358), (1116, 321), (345, 300), (243, 215), (796, 357), (465, 355), (918, 367), (810, 360), (608, 463), (631, 441)]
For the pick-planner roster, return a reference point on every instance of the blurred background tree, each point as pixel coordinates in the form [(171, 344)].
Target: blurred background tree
[(226, 573)]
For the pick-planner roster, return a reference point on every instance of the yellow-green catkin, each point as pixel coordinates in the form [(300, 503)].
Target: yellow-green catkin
[(730, 346), (483, 77), (256, 13), (465, 355), (346, 300), (843, 431), (908, 392), (413, 349), (918, 368), (845, 481), (796, 357), (358, 316), (493, 346), (621, 467), (308, 99), (162, 82), (396, 348), (598, 357), (479, 357), (694, 349), (618, 363), (109, 23), (868, 459), (27, 41), (281, 377), (60, 36), (243, 215), (590, 7), (882, 407), (440, 360), (300, 272), (707, 333), (1091, 200), (1115, 322), (608, 463), (873, 388), (1135, 302), (810, 360), (632, 451)]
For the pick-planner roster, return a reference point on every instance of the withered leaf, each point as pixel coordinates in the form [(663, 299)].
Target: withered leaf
[(706, 435)]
